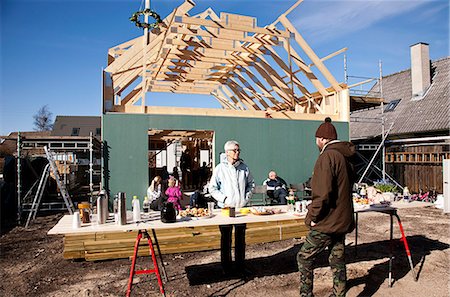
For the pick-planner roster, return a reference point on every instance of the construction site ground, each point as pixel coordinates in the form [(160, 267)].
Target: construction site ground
[(32, 264)]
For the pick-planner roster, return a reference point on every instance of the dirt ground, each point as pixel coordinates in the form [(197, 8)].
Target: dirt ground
[(32, 265)]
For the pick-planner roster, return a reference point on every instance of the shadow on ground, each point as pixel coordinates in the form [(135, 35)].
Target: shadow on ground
[(285, 263)]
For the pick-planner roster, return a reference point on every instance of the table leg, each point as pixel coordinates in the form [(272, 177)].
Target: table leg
[(405, 243), (163, 268), (356, 234), (391, 255)]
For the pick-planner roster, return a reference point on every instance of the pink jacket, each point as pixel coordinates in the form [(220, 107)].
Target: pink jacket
[(174, 195)]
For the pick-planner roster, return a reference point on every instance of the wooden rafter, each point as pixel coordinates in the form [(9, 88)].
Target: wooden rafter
[(229, 57)]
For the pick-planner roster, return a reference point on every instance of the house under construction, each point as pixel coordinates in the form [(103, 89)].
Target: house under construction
[(273, 89)]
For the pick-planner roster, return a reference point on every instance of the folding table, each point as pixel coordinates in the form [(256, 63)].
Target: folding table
[(392, 212)]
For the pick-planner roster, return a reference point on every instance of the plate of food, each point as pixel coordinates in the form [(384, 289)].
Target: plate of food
[(196, 213), (262, 211)]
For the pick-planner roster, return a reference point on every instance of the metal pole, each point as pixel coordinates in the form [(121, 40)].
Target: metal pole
[(91, 185), (374, 155), (65, 168), (383, 159), (144, 56), (345, 70), (19, 180)]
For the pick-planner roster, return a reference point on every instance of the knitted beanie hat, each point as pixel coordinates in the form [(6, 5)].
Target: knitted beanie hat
[(326, 130)]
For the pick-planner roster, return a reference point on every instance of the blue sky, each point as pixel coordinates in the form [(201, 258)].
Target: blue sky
[(52, 51)]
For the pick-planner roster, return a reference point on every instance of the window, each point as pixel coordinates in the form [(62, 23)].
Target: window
[(391, 105), (75, 132), (98, 131)]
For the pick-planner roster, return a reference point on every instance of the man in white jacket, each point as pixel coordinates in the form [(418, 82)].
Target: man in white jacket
[(231, 185)]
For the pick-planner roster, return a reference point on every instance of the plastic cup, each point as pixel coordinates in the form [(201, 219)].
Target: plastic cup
[(298, 206), (76, 222), (211, 207), (303, 206)]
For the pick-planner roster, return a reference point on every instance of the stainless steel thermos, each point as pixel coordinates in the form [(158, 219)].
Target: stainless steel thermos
[(102, 207), (122, 208)]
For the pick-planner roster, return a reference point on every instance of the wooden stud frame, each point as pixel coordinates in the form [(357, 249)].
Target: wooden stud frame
[(250, 70)]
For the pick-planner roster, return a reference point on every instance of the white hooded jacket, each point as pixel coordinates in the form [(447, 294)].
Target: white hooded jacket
[(231, 181)]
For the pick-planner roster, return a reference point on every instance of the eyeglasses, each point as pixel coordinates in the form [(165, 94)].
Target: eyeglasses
[(236, 150)]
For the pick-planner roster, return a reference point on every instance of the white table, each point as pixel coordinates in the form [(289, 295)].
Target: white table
[(153, 221)]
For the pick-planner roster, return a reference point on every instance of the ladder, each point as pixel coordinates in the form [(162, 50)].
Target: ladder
[(38, 195), (42, 182), (61, 186)]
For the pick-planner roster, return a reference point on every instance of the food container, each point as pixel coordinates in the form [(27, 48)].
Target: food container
[(225, 211), (244, 210)]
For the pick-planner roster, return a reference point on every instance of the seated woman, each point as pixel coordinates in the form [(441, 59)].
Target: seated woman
[(154, 193), (276, 187)]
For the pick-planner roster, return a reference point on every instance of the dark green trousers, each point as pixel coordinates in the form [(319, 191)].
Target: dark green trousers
[(315, 243)]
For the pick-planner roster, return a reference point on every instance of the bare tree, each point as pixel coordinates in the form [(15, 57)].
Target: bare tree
[(43, 119)]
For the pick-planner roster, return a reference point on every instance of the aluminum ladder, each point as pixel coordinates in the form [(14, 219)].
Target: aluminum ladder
[(38, 195), (61, 186)]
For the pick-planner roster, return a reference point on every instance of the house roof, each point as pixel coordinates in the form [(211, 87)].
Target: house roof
[(64, 125), (429, 114), (244, 66)]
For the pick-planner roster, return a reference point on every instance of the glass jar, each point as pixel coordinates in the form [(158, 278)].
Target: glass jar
[(85, 212)]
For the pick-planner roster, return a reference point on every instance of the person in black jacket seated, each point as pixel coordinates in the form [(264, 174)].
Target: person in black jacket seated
[(276, 187)]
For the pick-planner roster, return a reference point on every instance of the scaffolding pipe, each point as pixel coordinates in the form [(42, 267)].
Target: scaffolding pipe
[(380, 83), (345, 70), (144, 56), (19, 180), (91, 150), (374, 155)]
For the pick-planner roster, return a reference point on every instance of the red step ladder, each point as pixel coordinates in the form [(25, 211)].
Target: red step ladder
[(155, 269)]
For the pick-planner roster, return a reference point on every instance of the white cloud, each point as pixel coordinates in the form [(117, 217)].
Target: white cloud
[(328, 19)]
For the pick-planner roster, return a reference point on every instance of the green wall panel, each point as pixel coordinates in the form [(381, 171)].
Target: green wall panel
[(287, 146)]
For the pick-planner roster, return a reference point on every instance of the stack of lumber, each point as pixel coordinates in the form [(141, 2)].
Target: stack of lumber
[(115, 245)]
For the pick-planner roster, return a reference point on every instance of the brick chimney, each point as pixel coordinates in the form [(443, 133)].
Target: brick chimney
[(420, 69)]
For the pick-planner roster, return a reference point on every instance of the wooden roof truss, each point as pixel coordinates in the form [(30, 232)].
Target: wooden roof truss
[(245, 67)]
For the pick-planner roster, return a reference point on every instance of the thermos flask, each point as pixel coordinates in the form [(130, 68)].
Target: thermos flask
[(102, 207), (122, 208)]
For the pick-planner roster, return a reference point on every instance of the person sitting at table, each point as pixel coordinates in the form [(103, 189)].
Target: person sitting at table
[(276, 187), (231, 185), (154, 193), (173, 193)]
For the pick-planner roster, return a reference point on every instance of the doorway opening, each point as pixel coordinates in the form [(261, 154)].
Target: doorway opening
[(186, 155)]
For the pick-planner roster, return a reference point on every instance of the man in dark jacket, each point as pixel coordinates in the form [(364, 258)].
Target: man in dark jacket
[(330, 215), (276, 187)]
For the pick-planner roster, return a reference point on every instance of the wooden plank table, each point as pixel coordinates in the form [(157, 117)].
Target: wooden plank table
[(152, 221)]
